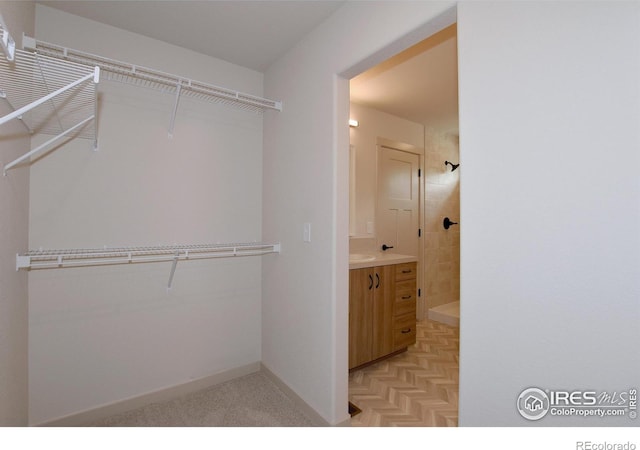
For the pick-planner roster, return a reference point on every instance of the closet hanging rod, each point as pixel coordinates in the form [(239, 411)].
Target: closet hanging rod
[(50, 259), (151, 78)]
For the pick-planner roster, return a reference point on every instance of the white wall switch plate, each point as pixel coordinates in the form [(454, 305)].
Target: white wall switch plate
[(307, 232)]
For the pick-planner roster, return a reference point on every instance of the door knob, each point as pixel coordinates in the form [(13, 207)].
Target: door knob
[(385, 247), (446, 223)]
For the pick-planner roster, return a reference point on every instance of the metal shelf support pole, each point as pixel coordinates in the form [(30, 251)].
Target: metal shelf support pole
[(45, 145)]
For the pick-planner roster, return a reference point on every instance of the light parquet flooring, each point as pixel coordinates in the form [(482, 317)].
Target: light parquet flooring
[(416, 388)]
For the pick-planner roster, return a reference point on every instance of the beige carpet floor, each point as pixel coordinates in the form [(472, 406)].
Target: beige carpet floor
[(249, 401), (416, 388)]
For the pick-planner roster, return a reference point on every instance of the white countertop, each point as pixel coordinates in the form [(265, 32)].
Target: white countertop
[(378, 259)]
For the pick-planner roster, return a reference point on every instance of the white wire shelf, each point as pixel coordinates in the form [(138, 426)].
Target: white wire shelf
[(150, 78), (52, 259), (49, 96), (7, 43), (32, 78)]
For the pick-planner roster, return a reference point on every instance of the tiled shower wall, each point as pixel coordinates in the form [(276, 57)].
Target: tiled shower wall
[(442, 199)]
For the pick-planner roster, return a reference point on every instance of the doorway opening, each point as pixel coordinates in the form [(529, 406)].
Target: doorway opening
[(411, 99)]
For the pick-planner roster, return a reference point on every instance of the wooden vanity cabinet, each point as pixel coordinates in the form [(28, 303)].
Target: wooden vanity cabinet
[(382, 311)]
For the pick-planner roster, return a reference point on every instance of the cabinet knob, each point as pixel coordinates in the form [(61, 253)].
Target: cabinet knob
[(405, 330), (406, 297), (370, 282)]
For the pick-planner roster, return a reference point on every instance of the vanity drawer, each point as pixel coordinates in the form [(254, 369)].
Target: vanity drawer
[(404, 331), (405, 298), (405, 271)]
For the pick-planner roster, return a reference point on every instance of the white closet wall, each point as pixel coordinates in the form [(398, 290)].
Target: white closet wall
[(558, 171), (103, 334), (305, 290), (14, 225)]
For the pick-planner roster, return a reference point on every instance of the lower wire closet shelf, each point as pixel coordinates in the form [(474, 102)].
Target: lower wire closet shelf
[(52, 259)]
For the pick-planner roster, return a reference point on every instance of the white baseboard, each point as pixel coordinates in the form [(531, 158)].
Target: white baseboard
[(119, 407)]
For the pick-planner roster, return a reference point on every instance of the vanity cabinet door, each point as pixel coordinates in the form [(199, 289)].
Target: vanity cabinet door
[(361, 292), (383, 300), (371, 314)]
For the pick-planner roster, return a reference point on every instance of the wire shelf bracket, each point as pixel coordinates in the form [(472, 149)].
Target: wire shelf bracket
[(179, 86), (51, 97), (53, 259)]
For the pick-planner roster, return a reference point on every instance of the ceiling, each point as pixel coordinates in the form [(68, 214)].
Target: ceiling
[(251, 34), (419, 84)]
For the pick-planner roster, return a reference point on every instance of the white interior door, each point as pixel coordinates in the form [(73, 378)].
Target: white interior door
[(398, 201)]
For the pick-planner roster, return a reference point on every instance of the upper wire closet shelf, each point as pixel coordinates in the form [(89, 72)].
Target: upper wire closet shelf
[(49, 96), (150, 78)]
